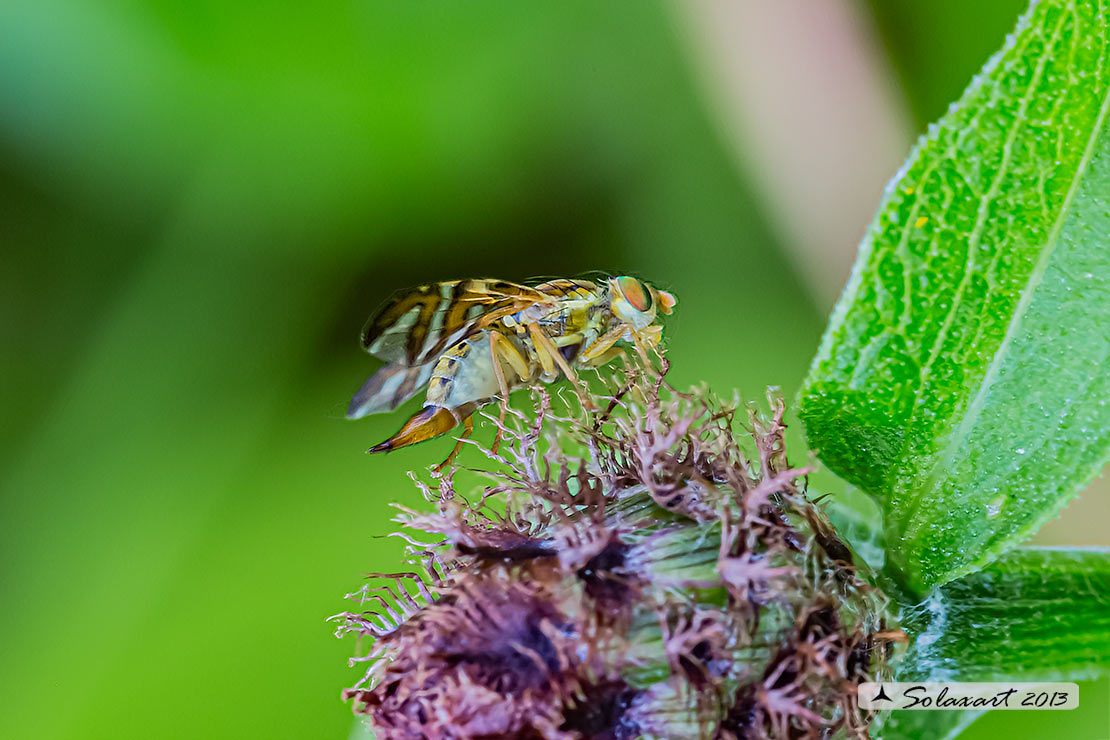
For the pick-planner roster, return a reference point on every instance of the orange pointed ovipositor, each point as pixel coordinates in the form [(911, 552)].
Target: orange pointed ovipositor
[(428, 422)]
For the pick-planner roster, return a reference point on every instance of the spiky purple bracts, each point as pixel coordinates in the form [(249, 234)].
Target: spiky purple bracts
[(629, 573)]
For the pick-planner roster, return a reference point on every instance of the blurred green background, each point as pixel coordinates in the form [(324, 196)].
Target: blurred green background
[(201, 202)]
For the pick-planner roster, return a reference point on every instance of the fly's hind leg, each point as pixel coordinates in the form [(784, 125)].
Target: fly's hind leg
[(501, 349), (468, 429)]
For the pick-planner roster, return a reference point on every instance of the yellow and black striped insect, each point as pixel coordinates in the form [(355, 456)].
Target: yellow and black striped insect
[(469, 341)]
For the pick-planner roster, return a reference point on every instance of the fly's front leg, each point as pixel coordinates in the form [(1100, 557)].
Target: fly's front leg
[(649, 338), (646, 339), (606, 357), (501, 349), (593, 354)]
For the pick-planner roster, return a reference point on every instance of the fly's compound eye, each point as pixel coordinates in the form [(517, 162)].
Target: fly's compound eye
[(636, 293), (632, 302)]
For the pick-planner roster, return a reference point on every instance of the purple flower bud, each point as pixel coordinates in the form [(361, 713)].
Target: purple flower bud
[(637, 571)]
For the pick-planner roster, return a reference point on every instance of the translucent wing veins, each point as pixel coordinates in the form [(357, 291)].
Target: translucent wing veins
[(416, 325)]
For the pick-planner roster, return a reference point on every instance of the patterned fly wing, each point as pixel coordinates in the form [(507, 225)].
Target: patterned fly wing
[(388, 388), (415, 326)]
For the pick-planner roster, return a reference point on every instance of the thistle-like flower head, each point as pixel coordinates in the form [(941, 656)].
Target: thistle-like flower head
[(632, 570)]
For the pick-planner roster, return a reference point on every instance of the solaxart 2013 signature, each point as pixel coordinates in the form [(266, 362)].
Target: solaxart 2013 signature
[(944, 695)]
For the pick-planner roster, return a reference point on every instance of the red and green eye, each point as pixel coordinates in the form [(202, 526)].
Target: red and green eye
[(635, 292)]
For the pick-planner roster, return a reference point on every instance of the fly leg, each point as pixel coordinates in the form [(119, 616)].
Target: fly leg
[(606, 357), (647, 339), (549, 356), (596, 353), (501, 349), (468, 429)]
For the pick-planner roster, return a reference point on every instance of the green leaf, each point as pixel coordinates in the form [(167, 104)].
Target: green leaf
[(1035, 614), (1038, 614), (961, 379), (943, 724)]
